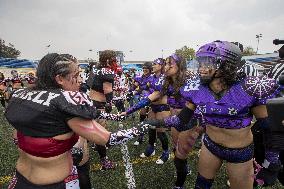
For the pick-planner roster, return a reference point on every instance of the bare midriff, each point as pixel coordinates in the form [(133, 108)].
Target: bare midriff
[(43, 171), (231, 138)]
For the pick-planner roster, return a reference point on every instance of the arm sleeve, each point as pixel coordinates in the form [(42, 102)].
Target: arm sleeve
[(180, 121)]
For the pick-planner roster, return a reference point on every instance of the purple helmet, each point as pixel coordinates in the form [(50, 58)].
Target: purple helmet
[(222, 56), (219, 52), (175, 57), (159, 61)]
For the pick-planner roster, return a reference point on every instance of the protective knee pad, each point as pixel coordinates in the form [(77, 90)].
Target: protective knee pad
[(152, 136), (203, 183), (181, 169), (164, 140), (102, 151), (84, 176), (142, 117)]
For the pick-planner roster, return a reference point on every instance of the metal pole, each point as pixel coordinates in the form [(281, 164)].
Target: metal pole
[(258, 36), (257, 44)]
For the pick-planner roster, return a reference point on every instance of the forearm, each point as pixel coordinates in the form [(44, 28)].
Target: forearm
[(271, 141), (94, 132), (90, 130)]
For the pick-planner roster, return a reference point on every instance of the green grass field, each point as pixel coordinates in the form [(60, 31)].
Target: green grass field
[(147, 174)]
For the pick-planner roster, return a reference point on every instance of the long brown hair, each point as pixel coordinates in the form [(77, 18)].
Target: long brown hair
[(180, 76), (107, 58)]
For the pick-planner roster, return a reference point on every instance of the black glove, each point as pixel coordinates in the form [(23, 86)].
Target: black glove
[(108, 107), (269, 173)]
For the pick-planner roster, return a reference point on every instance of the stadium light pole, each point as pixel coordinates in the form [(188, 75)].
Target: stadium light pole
[(258, 36)]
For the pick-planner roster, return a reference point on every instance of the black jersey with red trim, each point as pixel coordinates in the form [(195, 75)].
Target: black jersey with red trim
[(44, 113)]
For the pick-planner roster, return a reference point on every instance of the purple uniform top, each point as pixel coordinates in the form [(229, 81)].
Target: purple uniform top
[(155, 81), (144, 83), (171, 100), (232, 110)]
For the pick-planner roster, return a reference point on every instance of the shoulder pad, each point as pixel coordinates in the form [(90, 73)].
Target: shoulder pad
[(260, 87), (77, 98), (105, 74), (191, 85), (159, 84)]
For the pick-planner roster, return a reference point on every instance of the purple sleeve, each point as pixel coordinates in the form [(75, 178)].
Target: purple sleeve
[(158, 85)]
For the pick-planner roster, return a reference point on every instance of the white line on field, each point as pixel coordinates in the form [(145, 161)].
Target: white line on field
[(129, 175)]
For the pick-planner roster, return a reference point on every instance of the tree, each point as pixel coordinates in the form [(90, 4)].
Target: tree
[(8, 51), (186, 52), (248, 51)]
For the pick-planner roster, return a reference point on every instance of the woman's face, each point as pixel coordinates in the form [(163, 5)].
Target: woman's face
[(146, 71), (156, 67), (207, 67), (171, 67), (71, 82)]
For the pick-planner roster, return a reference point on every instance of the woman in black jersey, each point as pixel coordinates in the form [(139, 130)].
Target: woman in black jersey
[(101, 92), (55, 114)]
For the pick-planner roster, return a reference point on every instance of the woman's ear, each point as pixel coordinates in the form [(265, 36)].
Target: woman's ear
[(59, 79)]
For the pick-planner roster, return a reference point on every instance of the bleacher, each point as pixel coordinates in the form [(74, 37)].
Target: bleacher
[(16, 63)]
